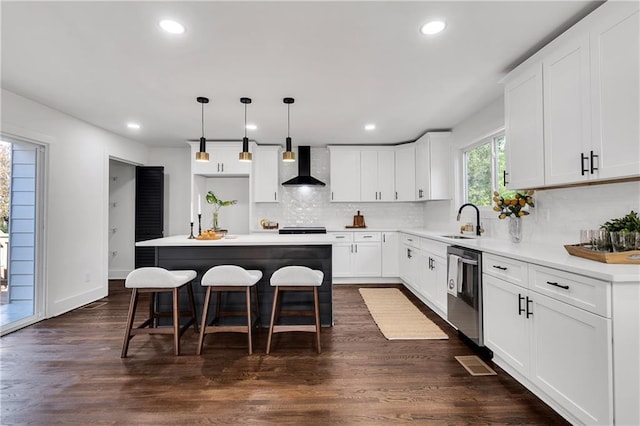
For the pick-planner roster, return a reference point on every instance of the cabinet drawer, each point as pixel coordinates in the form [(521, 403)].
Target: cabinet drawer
[(342, 236), (363, 237), (510, 270), (410, 240), (582, 292), (434, 247)]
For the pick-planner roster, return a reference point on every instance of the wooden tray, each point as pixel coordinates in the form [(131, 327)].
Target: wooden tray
[(626, 257)]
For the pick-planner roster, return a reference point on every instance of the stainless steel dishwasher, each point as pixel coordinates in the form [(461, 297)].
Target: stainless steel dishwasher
[(464, 292)]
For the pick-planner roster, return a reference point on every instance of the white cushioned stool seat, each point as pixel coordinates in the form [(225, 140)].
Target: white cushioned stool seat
[(295, 279), (156, 280), (228, 278)]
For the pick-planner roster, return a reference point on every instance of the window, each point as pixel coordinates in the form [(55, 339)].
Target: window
[(484, 164)]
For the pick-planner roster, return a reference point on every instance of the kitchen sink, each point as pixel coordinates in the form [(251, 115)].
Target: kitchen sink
[(457, 237)]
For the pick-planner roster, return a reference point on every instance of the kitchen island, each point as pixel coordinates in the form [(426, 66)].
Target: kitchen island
[(265, 252)]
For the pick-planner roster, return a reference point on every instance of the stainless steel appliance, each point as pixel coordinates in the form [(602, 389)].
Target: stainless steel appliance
[(303, 230), (464, 292)]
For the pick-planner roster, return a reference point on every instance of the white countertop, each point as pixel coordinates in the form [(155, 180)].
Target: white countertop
[(260, 239), (550, 255)]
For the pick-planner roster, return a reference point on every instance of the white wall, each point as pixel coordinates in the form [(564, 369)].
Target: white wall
[(122, 208), (559, 213), (77, 194), (312, 206)]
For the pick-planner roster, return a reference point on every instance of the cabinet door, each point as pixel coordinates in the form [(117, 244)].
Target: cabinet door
[(571, 358), (369, 176), (341, 259), (567, 113), (405, 173), (345, 175), (366, 260), (423, 168), (441, 167), (439, 276), (615, 47), (506, 328), (386, 175), (523, 129), (265, 175), (390, 254), (223, 160), (405, 262)]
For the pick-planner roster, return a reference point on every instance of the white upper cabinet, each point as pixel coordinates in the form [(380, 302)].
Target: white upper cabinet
[(567, 113), (345, 173), (433, 167), (265, 178), (223, 160), (405, 172), (615, 57), (377, 175), (587, 127), (523, 129)]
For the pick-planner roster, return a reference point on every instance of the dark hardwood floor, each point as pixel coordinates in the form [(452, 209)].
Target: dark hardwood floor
[(68, 370)]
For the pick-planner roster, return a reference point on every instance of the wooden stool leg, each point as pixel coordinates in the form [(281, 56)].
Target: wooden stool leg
[(132, 313), (205, 312), (316, 308), (259, 320), (193, 307), (152, 310), (176, 322), (273, 317), (249, 325)]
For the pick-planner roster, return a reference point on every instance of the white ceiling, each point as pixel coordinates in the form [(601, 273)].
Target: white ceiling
[(345, 63)]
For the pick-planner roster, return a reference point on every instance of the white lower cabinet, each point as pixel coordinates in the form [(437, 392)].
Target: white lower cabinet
[(390, 254), (423, 268), (356, 254), (563, 351)]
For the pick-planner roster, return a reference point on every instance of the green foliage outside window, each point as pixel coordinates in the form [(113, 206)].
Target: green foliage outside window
[(484, 166)]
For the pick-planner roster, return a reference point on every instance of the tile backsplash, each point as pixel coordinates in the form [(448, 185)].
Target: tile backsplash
[(312, 206)]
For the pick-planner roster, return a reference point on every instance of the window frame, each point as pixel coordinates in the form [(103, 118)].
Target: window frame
[(491, 139)]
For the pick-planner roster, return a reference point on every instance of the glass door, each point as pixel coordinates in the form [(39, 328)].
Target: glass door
[(20, 228)]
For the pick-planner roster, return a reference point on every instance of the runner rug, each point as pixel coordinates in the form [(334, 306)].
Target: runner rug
[(398, 318)]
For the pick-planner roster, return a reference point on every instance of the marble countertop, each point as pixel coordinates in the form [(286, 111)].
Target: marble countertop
[(550, 255)]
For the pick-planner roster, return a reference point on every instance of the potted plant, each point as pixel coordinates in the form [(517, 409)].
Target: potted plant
[(217, 203)]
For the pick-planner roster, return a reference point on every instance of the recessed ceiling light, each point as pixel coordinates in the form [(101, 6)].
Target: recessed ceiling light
[(171, 27), (433, 27), (251, 127), (133, 126), (370, 127)]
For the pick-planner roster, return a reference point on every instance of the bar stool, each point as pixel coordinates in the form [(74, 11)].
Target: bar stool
[(295, 279), (156, 280), (229, 278)]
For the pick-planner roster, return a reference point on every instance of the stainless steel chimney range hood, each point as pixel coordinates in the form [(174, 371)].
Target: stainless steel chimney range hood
[(304, 177)]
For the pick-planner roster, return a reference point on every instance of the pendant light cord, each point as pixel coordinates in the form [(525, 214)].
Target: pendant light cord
[(288, 119), (202, 119), (245, 120)]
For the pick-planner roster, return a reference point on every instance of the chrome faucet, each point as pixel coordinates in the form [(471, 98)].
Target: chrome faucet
[(478, 228)]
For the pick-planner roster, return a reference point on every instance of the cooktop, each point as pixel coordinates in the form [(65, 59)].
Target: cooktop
[(303, 230)]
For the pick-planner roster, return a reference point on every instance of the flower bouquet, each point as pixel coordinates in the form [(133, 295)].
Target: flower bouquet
[(513, 203)]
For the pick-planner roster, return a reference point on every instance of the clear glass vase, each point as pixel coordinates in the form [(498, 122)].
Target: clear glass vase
[(215, 221), (515, 229)]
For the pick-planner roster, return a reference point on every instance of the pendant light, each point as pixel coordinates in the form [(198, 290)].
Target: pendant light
[(202, 154), (288, 155), (245, 156)]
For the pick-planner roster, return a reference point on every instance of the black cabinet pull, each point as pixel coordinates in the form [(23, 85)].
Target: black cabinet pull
[(396, 195), (504, 177), (566, 287), (502, 268), (592, 155), (582, 159), (275, 196), (520, 308), (529, 312), (409, 253)]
